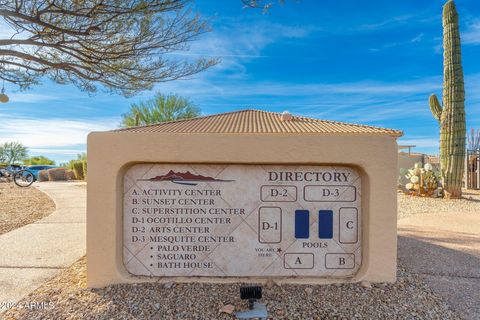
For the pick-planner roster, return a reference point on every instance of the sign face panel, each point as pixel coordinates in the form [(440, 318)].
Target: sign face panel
[(242, 220)]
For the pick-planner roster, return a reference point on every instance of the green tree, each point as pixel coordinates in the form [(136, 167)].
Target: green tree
[(12, 152), (125, 45), (38, 160), (159, 109)]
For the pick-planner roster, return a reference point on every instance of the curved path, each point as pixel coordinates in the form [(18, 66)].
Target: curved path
[(34, 253)]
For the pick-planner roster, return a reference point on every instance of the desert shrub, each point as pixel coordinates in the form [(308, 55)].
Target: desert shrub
[(84, 164), (70, 175), (78, 166), (57, 174), (43, 175), (78, 170)]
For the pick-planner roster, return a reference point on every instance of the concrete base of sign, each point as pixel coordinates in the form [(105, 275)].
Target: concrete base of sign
[(112, 154)]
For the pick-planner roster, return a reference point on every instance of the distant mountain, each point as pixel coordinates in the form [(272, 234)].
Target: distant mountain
[(178, 177)]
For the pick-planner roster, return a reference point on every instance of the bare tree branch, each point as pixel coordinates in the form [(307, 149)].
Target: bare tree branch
[(122, 45)]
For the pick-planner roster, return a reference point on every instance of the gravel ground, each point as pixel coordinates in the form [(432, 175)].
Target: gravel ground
[(21, 206), (65, 297), (408, 205)]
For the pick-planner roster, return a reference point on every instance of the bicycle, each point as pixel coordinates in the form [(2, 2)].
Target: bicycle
[(21, 177)]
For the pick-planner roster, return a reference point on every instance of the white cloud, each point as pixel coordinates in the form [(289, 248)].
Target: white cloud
[(398, 104), (249, 38), (420, 142), (363, 87), (52, 133), (417, 38), (57, 151), (237, 41), (30, 97), (472, 33), (367, 102), (387, 23), (201, 89)]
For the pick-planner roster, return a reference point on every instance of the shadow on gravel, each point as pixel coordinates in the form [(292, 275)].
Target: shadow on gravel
[(449, 263), (463, 239), (471, 200)]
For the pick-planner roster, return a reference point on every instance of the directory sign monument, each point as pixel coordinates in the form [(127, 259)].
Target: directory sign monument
[(242, 220)]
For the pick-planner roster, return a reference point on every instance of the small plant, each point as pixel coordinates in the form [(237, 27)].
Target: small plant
[(78, 166), (423, 181), (78, 169), (84, 164)]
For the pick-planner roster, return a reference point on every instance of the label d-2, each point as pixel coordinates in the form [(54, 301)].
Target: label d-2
[(278, 193)]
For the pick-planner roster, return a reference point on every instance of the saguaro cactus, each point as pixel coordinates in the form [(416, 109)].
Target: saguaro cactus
[(451, 116)]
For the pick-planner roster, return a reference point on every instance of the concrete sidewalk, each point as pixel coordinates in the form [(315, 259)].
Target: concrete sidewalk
[(34, 253), (445, 249)]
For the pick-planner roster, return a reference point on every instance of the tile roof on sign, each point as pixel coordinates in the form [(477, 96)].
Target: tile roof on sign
[(257, 121)]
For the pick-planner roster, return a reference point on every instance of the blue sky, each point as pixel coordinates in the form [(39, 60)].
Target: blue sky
[(369, 62)]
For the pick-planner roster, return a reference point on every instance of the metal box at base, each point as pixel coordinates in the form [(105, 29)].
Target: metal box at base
[(242, 220)]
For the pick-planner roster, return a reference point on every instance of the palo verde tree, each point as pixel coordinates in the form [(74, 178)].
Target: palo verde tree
[(126, 46), (161, 108), (12, 153), (38, 160)]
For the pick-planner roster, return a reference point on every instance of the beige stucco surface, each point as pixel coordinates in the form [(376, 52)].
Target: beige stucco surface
[(111, 154)]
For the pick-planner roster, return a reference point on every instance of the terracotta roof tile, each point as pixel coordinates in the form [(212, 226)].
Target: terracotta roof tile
[(256, 121)]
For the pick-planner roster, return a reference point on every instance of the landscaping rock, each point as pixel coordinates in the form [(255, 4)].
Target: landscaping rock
[(408, 298)]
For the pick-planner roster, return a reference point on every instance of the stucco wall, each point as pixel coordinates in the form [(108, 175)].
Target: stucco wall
[(407, 161), (112, 153)]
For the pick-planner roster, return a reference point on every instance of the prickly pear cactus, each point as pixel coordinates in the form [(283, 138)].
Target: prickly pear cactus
[(451, 116)]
